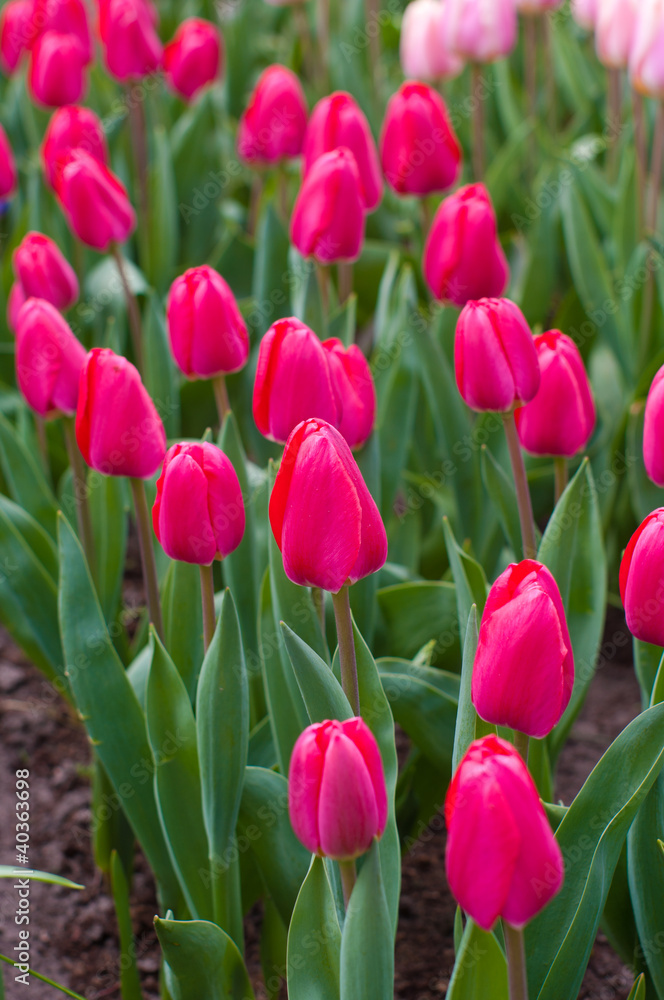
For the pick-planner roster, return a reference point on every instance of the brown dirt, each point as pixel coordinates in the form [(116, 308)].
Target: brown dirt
[(73, 937)]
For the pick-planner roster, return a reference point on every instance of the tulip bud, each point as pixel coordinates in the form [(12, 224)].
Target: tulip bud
[(642, 580), (17, 32), (193, 59), (355, 390), (43, 272), (207, 334), (49, 359), (198, 515), (273, 124), (132, 48), (422, 50), (646, 69), (524, 666), (463, 258), (480, 30), (418, 148), (15, 301), (614, 31), (94, 200), (501, 858), (329, 213), (495, 359), (337, 798), (560, 419), (57, 70), (337, 121), (67, 17), (118, 429), (8, 175), (653, 430), (70, 128), (585, 13), (323, 517)]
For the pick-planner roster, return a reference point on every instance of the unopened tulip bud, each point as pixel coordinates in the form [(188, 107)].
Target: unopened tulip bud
[(501, 858), (642, 580), (653, 430), (17, 33), (193, 59), (94, 200), (480, 30), (355, 390), (614, 32), (68, 17), (132, 48), (422, 50), (8, 175), (585, 13), (646, 57), (118, 429), (337, 798), (273, 125), (329, 215), (49, 359), (57, 70), (43, 272), (15, 301), (198, 514), (71, 128)]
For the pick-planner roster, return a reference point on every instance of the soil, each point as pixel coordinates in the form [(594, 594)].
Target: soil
[(73, 935)]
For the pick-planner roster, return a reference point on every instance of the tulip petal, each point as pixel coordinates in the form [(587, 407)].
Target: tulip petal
[(305, 776), (225, 503), (347, 810), (362, 737), (185, 491)]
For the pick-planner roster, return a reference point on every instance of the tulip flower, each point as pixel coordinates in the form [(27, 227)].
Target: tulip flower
[(273, 124), (419, 151), (422, 51), (642, 580), (94, 200), (67, 17), (355, 390), (329, 214), (480, 31), (49, 359), (653, 430), (614, 31), (43, 272), (132, 48), (198, 514), (494, 356), (193, 59), (463, 258), (17, 32), (15, 301), (337, 798), (71, 128), (647, 50), (524, 666), (585, 12), (8, 175), (337, 121), (501, 858), (57, 70)]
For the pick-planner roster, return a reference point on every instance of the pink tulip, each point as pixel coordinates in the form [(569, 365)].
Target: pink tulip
[(653, 430), (70, 128), (480, 30), (67, 17), (336, 121), (501, 858), (585, 13), (15, 301), (17, 33), (463, 258), (329, 213), (524, 667), (198, 514), (132, 48), (57, 70), (118, 429), (8, 175), (422, 50), (49, 359), (614, 31), (646, 58), (273, 125), (43, 272), (560, 419), (642, 580), (207, 334), (193, 59), (323, 517), (495, 358), (337, 799), (355, 390), (94, 200), (418, 148)]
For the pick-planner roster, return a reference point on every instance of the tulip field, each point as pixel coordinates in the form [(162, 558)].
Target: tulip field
[(331, 435)]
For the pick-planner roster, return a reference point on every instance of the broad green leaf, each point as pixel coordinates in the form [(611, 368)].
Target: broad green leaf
[(442, 680), (164, 224), (648, 666), (202, 961), (618, 922), (183, 621), (501, 490), (469, 579), (367, 939), (466, 721), (274, 942), (638, 990), (110, 827), (342, 324), (416, 613), (425, 713), (271, 271), (480, 969), (321, 692), (6, 871), (130, 981), (25, 478), (109, 505), (314, 939), (305, 294), (160, 375)]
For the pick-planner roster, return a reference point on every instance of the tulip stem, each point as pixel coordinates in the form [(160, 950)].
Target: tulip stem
[(345, 278), (641, 144), (656, 170), (323, 276), (561, 475), (523, 500), (207, 597), (83, 518), (347, 661), (42, 441), (221, 398), (133, 309), (348, 873), (522, 744), (147, 554), (478, 121), (516, 962), (318, 598)]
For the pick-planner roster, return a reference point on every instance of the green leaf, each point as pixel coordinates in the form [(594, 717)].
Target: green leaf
[(638, 990), (425, 713), (274, 941), (313, 962), (25, 479), (160, 376), (7, 871), (480, 969), (183, 621), (109, 505), (177, 778), (469, 579), (130, 981), (43, 979), (416, 613), (164, 224), (342, 324), (271, 271), (367, 940), (305, 296), (322, 694), (466, 721), (202, 961), (501, 490), (645, 866), (648, 666)]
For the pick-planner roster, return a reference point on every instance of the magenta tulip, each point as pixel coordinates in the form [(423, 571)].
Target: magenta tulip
[(480, 31), (646, 57), (336, 121), (132, 48), (43, 271), (8, 175), (560, 419), (49, 359), (494, 356), (585, 13), (323, 517), (642, 580), (273, 125), (501, 858), (71, 128), (198, 515), (207, 334), (653, 430), (118, 429), (337, 798), (614, 31), (422, 50), (355, 390), (17, 33), (419, 151), (94, 200), (57, 70), (524, 667), (193, 59), (15, 302), (67, 17), (463, 258), (329, 214)]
